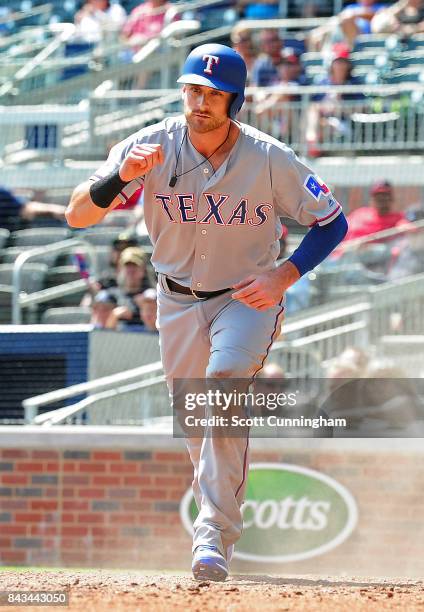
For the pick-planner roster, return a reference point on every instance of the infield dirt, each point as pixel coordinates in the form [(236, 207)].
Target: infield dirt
[(99, 590)]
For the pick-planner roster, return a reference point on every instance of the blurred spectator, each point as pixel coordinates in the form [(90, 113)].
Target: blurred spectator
[(132, 280), (376, 217), (326, 113), (404, 18), (97, 17), (17, 213), (265, 68), (311, 8), (147, 304), (102, 308), (353, 20), (350, 364), (408, 257), (268, 9), (145, 21), (290, 72), (242, 42)]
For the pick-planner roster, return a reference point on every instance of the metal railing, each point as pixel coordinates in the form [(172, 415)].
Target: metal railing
[(345, 126), (20, 300)]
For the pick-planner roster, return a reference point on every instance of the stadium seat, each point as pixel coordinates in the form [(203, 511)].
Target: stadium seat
[(10, 254), (5, 304), (33, 276), (405, 75), (4, 237), (100, 235), (67, 314), (119, 218), (39, 236), (62, 274), (369, 42)]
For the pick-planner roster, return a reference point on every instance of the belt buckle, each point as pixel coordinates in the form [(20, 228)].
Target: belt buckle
[(201, 299)]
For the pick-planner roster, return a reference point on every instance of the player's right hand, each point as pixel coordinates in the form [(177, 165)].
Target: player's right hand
[(140, 160)]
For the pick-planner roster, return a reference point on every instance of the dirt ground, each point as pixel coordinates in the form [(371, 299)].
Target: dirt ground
[(99, 590)]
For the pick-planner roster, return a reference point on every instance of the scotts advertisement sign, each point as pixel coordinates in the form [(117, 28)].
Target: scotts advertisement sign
[(290, 513)]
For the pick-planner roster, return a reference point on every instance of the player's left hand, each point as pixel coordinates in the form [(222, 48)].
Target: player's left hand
[(263, 291)]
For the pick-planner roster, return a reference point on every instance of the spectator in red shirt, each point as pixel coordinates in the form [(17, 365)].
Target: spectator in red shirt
[(145, 21), (376, 217)]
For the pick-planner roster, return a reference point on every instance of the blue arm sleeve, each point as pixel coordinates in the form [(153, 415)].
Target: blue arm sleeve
[(318, 243)]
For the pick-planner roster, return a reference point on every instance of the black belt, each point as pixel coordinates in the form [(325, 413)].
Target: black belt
[(200, 295)]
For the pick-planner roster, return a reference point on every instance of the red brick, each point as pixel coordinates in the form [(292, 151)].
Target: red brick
[(75, 504), (27, 466), (165, 532), (18, 530), (178, 457), (51, 492), (28, 517), (152, 519), (122, 518), (168, 481), (155, 468), (5, 542), (17, 479), (106, 531), (69, 492), (153, 494), (91, 493), (49, 544), (14, 556), (70, 557), (91, 517), (14, 453), (52, 467), (42, 530), (68, 517), (43, 504), (106, 480), (74, 530), (71, 543), (127, 468), (137, 480), (176, 495), (44, 454), (69, 466), (86, 466), (135, 506), (76, 479), (106, 456)]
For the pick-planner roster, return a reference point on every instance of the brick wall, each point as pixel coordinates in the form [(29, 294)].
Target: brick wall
[(88, 503)]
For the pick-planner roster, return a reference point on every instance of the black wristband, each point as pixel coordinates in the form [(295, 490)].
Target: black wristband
[(105, 190)]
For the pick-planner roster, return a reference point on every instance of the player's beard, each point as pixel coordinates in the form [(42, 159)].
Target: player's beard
[(202, 126)]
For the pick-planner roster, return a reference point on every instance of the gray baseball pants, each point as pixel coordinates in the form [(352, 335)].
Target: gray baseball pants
[(214, 338)]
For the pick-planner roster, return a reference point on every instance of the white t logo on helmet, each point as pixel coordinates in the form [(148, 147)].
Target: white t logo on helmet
[(211, 60)]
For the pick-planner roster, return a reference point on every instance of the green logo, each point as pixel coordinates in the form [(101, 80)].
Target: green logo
[(290, 513)]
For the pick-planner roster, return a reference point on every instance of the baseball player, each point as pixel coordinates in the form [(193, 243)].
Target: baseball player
[(215, 190)]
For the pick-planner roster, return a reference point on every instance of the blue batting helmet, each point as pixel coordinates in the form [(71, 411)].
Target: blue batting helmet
[(219, 67)]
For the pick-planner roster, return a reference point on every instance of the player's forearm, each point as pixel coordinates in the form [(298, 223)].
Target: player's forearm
[(81, 211), (287, 274)]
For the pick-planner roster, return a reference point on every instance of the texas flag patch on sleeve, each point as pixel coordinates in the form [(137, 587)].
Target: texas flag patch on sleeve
[(315, 187)]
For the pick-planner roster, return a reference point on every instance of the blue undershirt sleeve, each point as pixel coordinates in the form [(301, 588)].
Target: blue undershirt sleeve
[(318, 243)]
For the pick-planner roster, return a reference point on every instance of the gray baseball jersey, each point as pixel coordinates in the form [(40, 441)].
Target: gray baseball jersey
[(215, 228), (210, 231)]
